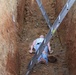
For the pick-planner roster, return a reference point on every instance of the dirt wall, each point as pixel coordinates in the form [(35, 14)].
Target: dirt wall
[(20, 11), (71, 40), (67, 33), (10, 20)]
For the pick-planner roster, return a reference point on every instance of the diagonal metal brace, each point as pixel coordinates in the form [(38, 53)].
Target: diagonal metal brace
[(44, 13)]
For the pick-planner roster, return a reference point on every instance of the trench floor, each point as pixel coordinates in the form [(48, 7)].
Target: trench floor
[(32, 28), (28, 35)]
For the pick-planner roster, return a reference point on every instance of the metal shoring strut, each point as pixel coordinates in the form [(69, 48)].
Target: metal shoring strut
[(44, 13)]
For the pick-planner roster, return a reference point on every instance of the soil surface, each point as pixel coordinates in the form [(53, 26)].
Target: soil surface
[(33, 27)]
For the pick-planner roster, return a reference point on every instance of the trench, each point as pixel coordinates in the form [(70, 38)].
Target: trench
[(21, 22), (34, 25)]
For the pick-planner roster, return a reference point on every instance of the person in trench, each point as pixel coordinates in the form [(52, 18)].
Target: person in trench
[(43, 58)]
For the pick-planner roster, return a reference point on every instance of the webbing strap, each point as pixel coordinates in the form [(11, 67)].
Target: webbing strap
[(52, 30), (44, 13)]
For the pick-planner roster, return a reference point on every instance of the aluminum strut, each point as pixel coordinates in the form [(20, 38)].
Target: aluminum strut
[(44, 13)]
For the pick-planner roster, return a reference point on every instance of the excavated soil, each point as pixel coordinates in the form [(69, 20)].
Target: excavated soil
[(35, 25)]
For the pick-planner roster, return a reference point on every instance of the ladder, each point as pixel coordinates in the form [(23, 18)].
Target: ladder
[(49, 35)]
